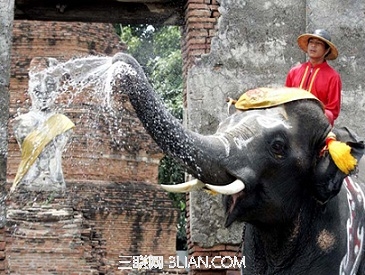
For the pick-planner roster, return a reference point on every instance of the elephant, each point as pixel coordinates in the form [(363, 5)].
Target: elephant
[(281, 171)]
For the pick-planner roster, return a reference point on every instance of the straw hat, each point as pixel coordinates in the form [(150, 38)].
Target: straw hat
[(322, 35)]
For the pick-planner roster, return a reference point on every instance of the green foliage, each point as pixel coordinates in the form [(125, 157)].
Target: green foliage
[(133, 41), (171, 172), (166, 77), (167, 40), (139, 39), (158, 51)]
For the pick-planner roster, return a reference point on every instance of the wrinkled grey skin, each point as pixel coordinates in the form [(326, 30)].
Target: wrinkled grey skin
[(293, 203)]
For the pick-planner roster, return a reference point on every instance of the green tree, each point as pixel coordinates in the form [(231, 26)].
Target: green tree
[(158, 51)]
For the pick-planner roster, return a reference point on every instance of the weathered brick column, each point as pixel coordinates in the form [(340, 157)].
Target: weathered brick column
[(198, 30), (200, 27)]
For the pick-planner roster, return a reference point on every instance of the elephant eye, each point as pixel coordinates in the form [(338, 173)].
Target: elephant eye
[(278, 148)]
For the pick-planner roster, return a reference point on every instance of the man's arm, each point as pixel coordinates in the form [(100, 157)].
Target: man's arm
[(333, 105), (288, 81)]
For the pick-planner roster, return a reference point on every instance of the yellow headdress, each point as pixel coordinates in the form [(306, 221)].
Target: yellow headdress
[(270, 97)]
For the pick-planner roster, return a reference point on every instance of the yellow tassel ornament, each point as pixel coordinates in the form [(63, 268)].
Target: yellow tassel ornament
[(341, 154)]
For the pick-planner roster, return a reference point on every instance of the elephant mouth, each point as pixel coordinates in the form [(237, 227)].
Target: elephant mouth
[(230, 203), (229, 189)]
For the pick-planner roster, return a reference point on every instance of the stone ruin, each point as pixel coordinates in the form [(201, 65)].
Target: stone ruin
[(112, 205)]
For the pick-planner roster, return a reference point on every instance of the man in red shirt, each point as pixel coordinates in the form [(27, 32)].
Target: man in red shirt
[(315, 75)]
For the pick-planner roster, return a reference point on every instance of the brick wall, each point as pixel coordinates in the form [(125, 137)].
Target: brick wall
[(200, 27), (102, 147), (87, 229), (112, 205)]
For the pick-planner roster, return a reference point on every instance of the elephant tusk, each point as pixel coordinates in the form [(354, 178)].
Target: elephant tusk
[(228, 189), (184, 187)]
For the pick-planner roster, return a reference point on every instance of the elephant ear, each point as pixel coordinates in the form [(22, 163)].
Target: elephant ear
[(328, 177)]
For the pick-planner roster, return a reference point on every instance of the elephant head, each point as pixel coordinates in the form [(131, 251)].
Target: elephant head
[(268, 159)]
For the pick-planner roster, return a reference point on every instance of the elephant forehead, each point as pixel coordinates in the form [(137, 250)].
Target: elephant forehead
[(257, 119), (271, 122), (243, 127)]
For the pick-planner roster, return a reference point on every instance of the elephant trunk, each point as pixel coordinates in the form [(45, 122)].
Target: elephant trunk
[(198, 153)]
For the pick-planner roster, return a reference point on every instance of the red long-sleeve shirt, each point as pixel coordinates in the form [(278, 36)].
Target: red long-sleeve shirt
[(322, 81)]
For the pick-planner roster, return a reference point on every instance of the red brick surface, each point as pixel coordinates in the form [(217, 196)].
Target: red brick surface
[(88, 228), (94, 153)]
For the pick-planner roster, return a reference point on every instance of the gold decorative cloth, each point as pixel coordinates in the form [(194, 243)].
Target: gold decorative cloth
[(269, 97), (35, 142)]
